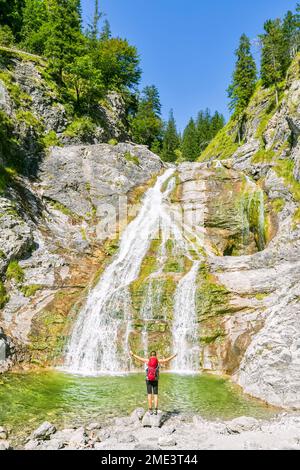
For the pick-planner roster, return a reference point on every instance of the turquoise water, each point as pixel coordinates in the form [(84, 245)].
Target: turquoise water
[(28, 399)]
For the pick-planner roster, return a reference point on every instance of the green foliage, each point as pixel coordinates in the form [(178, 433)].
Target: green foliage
[(280, 44), (6, 36), (263, 156), (50, 139), (4, 298), (118, 62), (171, 140), (296, 216), (6, 176), (113, 142), (207, 127), (15, 272), (244, 77), (81, 127), (224, 144), (11, 15), (146, 125), (189, 145), (285, 169), (31, 289), (131, 158), (278, 204)]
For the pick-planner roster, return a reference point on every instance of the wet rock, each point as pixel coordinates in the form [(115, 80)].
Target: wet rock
[(243, 423), (154, 421), (43, 432)]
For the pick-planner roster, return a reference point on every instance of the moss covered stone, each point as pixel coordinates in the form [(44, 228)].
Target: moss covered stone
[(15, 272)]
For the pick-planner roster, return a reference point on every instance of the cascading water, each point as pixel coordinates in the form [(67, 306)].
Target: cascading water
[(185, 326), (100, 338), (94, 340)]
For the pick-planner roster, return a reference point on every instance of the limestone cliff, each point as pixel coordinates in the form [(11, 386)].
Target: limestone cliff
[(265, 285)]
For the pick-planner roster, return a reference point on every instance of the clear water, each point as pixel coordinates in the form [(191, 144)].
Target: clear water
[(28, 399)]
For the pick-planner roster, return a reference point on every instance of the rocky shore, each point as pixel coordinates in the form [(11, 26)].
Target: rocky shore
[(140, 431)]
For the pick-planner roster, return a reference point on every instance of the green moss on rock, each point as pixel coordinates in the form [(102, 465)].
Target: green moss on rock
[(15, 272)]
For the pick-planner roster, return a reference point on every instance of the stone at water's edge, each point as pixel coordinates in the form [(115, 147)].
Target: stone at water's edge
[(154, 421), (43, 432)]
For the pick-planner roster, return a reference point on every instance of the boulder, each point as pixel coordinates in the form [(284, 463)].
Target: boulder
[(242, 424), (137, 415), (154, 421), (33, 444), (43, 432)]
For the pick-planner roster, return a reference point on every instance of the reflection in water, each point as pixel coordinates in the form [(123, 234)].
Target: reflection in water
[(29, 399)]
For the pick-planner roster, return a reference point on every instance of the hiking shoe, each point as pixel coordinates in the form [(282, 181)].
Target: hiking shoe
[(150, 412), (155, 411)]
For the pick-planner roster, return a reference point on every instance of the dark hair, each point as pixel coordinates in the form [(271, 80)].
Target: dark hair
[(153, 353)]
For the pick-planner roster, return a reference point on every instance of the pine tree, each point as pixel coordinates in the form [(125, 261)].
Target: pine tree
[(273, 55), (171, 140), (146, 125), (35, 27), (189, 145), (290, 29), (244, 77), (106, 31), (11, 15)]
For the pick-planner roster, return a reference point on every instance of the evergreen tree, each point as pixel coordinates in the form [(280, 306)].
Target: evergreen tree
[(65, 40), (207, 127), (273, 55), (203, 129), (189, 145), (244, 77), (171, 140), (35, 28), (146, 125), (291, 30), (106, 31), (11, 15)]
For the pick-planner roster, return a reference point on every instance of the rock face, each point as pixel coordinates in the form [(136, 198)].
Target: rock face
[(37, 119), (265, 285), (52, 243)]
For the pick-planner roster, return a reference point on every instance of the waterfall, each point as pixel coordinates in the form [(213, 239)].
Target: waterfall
[(93, 345), (100, 338), (185, 326)]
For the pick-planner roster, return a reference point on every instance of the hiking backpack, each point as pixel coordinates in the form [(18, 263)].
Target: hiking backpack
[(152, 369)]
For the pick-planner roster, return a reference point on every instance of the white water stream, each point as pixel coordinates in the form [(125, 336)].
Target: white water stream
[(99, 341)]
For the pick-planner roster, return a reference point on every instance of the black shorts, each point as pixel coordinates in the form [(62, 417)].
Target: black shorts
[(152, 387)]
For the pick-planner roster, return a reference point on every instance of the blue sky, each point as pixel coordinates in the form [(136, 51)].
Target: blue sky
[(187, 46)]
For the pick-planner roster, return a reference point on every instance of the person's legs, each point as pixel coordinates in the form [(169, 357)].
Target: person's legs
[(149, 394), (155, 393), (150, 401)]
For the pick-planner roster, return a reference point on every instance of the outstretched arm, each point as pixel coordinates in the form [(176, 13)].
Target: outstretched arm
[(168, 359), (142, 359)]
